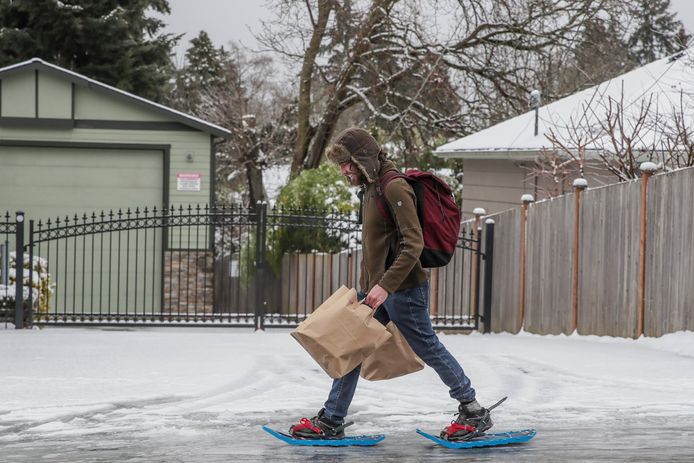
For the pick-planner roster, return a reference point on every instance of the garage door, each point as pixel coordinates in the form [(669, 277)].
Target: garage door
[(51, 182), (93, 270)]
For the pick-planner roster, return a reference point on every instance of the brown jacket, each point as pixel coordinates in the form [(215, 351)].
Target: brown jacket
[(384, 241)]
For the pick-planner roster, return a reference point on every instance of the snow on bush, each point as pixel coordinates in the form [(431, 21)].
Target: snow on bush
[(36, 279)]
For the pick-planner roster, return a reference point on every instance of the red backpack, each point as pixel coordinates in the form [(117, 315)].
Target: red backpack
[(437, 211)]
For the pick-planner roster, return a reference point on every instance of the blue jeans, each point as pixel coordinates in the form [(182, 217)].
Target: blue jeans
[(409, 310)]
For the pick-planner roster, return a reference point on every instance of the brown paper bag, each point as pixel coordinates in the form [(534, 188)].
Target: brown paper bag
[(340, 334), (342, 294), (394, 358)]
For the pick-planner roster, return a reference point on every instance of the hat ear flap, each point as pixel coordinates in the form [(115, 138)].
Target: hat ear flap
[(362, 169)]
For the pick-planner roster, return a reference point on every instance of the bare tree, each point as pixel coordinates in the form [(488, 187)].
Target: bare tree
[(677, 141), (612, 137), (239, 92), (259, 113), (416, 77)]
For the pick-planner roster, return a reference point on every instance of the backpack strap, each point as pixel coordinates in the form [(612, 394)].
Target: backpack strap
[(381, 202), (360, 195)]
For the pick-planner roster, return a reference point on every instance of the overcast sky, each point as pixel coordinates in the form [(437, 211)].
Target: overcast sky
[(227, 20), (223, 20)]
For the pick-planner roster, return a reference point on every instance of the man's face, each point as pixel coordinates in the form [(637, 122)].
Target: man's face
[(352, 172)]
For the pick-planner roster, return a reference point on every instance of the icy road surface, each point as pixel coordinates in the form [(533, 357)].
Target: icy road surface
[(200, 395)]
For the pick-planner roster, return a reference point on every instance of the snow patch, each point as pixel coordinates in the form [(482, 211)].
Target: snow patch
[(274, 178), (60, 380)]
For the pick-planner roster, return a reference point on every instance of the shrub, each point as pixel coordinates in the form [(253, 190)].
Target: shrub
[(313, 195), (34, 273)]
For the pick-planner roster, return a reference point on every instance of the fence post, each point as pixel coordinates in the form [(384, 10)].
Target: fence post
[(30, 310), (647, 169), (476, 281), (474, 294), (4, 263), (260, 238), (526, 200), (488, 264), (19, 272), (580, 184)]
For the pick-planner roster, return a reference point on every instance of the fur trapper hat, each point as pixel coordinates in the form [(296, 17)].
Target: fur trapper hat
[(357, 145)]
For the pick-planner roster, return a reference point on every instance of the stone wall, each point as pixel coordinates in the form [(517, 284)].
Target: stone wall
[(188, 282)]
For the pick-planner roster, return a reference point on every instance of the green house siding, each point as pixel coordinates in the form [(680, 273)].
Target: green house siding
[(179, 145), (182, 143), (19, 95), (81, 148), (96, 105), (54, 183), (55, 97), (56, 101)]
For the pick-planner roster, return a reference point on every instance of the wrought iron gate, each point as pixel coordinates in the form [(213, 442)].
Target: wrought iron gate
[(213, 266)]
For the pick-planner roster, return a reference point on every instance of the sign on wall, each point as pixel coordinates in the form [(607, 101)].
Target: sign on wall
[(188, 181)]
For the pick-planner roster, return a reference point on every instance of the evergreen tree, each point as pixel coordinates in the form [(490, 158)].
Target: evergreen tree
[(114, 41), (207, 71), (206, 61), (600, 54), (658, 33)]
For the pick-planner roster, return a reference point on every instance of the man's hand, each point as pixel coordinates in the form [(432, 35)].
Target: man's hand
[(376, 297)]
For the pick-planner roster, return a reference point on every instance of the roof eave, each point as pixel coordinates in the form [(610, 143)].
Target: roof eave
[(39, 64), (516, 154)]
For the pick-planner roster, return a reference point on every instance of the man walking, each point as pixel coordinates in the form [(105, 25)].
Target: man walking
[(392, 277)]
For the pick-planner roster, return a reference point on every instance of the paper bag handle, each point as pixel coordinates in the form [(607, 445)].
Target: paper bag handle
[(373, 312)]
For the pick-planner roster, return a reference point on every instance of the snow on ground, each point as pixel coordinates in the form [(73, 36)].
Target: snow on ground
[(183, 385), (201, 394)]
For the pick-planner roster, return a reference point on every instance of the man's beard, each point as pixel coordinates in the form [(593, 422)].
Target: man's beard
[(355, 179)]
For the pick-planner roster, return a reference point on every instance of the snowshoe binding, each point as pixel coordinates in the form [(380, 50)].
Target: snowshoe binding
[(472, 421), (319, 427)]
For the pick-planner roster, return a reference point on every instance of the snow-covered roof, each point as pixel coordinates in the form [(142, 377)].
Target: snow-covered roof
[(667, 81), (187, 119)]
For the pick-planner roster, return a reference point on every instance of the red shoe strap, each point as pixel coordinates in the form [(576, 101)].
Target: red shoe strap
[(455, 427), (305, 423)]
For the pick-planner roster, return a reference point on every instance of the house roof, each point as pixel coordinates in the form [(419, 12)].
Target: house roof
[(79, 79), (666, 82)]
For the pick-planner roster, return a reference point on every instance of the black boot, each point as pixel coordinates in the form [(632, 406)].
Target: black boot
[(319, 427), (472, 421)]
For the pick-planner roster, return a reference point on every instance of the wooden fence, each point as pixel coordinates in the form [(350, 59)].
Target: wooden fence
[(609, 260), (505, 279), (599, 284), (669, 301), (547, 307), (304, 280)]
